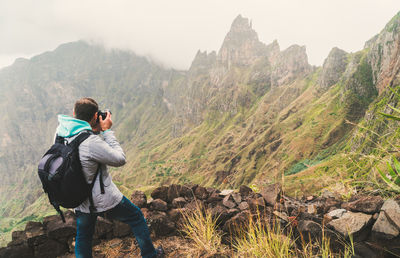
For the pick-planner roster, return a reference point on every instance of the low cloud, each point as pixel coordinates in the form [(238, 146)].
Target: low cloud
[(172, 31)]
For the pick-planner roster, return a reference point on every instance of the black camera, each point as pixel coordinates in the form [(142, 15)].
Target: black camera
[(103, 114)]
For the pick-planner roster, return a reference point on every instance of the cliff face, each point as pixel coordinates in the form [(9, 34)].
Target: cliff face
[(246, 114), (333, 68), (384, 55)]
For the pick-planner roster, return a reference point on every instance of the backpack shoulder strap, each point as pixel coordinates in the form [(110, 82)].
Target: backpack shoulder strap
[(59, 139), (99, 173), (79, 139)]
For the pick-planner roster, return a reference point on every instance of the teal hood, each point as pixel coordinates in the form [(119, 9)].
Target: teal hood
[(69, 126)]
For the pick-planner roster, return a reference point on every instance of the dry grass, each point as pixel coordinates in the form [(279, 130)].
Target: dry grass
[(262, 240), (201, 227), (322, 248), (203, 239)]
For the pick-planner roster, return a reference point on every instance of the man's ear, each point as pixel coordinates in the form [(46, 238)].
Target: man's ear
[(94, 119)]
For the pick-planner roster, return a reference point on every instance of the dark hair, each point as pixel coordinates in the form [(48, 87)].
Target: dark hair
[(85, 108)]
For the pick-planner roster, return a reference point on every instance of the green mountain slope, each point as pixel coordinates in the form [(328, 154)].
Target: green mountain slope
[(249, 114)]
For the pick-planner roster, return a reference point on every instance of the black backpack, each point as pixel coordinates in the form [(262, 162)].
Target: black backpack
[(60, 172)]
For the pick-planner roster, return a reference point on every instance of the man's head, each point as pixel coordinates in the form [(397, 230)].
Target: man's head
[(85, 109)]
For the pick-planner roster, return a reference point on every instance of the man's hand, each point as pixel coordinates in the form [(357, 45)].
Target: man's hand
[(106, 123)]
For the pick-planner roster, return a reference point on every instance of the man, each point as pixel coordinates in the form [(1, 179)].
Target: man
[(96, 153)]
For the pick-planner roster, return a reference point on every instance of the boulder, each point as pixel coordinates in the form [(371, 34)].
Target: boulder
[(201, 193), (160, 193), (226, 192), (179, 202), (245, 191), (237, 198), (363, 250), (229, 202), (383, 228), (271, 193), (103, 229), (331, 204), (233, 212), (35, 233), (365, 204), (139, 199), (309, 227), (238, 222), (312, 209), (121, 229), (391, 208), (210, 190), (307, 216), (161, 224), (257, 205), (22, 242), (243, 206), (145, 212), (51, 248), (281, 215), (214, 197), (326, 219), (18, 235), (220, 213), (351, 223), (158, 205), (194, 205), (57, 229), (291, 209), (17, 251), (192, 187), (175, 191), (312, 231), (177, 214), (292, 206), (338, 213)]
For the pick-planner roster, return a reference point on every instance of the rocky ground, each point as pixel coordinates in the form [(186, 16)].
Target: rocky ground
[(373, 223)]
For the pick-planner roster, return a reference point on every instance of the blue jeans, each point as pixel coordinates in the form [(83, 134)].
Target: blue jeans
[(125, 212)]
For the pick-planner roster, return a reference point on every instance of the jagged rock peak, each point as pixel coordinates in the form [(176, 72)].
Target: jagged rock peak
[(203, 61), (272, 51), (241, 45), (296, 57), (291, 63), (274, 46), (333, 67), (241, 24), (240, 32)]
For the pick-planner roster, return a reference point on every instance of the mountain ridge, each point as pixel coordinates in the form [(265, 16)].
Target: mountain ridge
[(249, 113)]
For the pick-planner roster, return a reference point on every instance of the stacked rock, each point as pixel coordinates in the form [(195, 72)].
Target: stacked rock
[(369, 220)]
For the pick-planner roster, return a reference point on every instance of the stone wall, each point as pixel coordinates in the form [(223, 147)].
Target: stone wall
[(373, 223)]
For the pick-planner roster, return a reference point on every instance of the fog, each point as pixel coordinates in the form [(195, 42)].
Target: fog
[(172, 31)]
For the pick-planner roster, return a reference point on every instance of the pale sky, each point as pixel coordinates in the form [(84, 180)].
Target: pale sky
[(171, 31)]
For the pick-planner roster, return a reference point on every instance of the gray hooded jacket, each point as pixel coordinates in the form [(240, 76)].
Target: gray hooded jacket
[(93, 152)]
